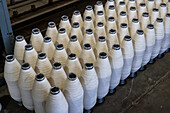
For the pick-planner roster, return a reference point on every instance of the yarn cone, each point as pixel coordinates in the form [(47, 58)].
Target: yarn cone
[(43, 65), (88, 24), (132, 14), (48, 47), (103, 70), (60, 54), (111, 12), (166, 40), (123, 31), (131, 3), (159, 36), (116, 62), (128, 54), (36, 39), (89, 12), (87, 55), (157, 3), (62, 37), (73, 65), (150, 42), (100, 30), (56, 102), (117, 2), (58, 75), (154, 15), (141, 9), (139, 49), (89, 83), (138, 2), (112, 38), (40, 91), (111, 24), (101, 46), (121, 7), (25, 82), (52, 31), (77, 31), (108, 4), (89, 38), (122, 18), (135, 25), (150, 4), (98, 7), (145, 20), (74, 46), (65, 23), (100, 18), (30, 55), (163, 10), (11, 75), (74, 93), (76, 17), (19, 48)]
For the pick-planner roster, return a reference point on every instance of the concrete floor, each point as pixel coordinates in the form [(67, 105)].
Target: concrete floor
[(149, 92)]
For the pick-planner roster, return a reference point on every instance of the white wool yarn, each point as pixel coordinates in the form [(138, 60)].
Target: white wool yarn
[(56, 102), (100, 30), (131, 3), (89, 12), (132, 14), (74, 93), (89, 38), (89, 83), (138, 2), (52, 31), (62, 37), (74, 46), (122, 18), (111, 12), (150, 42), (88, 24), (60, 54), (117, 2), (36, 39), (121, 7), (108, 4), (141, 9), (30, 55), (150, 4), (77, 31), (128, 54), (73, 65), (135, 25), (159, 36), (19, 48), (154, 15), (43, 65), (101, 46), (48, 47), (87, 55), (100, 18), (11, 75), (76, 17), (112, 38), (40, 91), (103, 70), (65, 23), (25, 82), (163, 10), (157, 3), (139, 49), (58, 75), (116, 62), (166, 40), (111, 24), (123, 31), (98, 7), (144, 21)]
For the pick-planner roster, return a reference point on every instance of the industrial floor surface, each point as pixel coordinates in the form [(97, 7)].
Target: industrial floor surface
[(149, 92)]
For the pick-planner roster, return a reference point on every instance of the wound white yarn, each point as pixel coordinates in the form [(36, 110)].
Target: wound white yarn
[(52, 32), (100, 31), (66, 25), (133, 28), (19, 50), (89, 13), (110, 25), (100, 18), (73, 92), (100, 47), (77, 18), (111, 13), (78, 33), (89, 38), (88, 25), (153, 16), (62, 38), (131, 15), (107, 4), (112, 39)]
